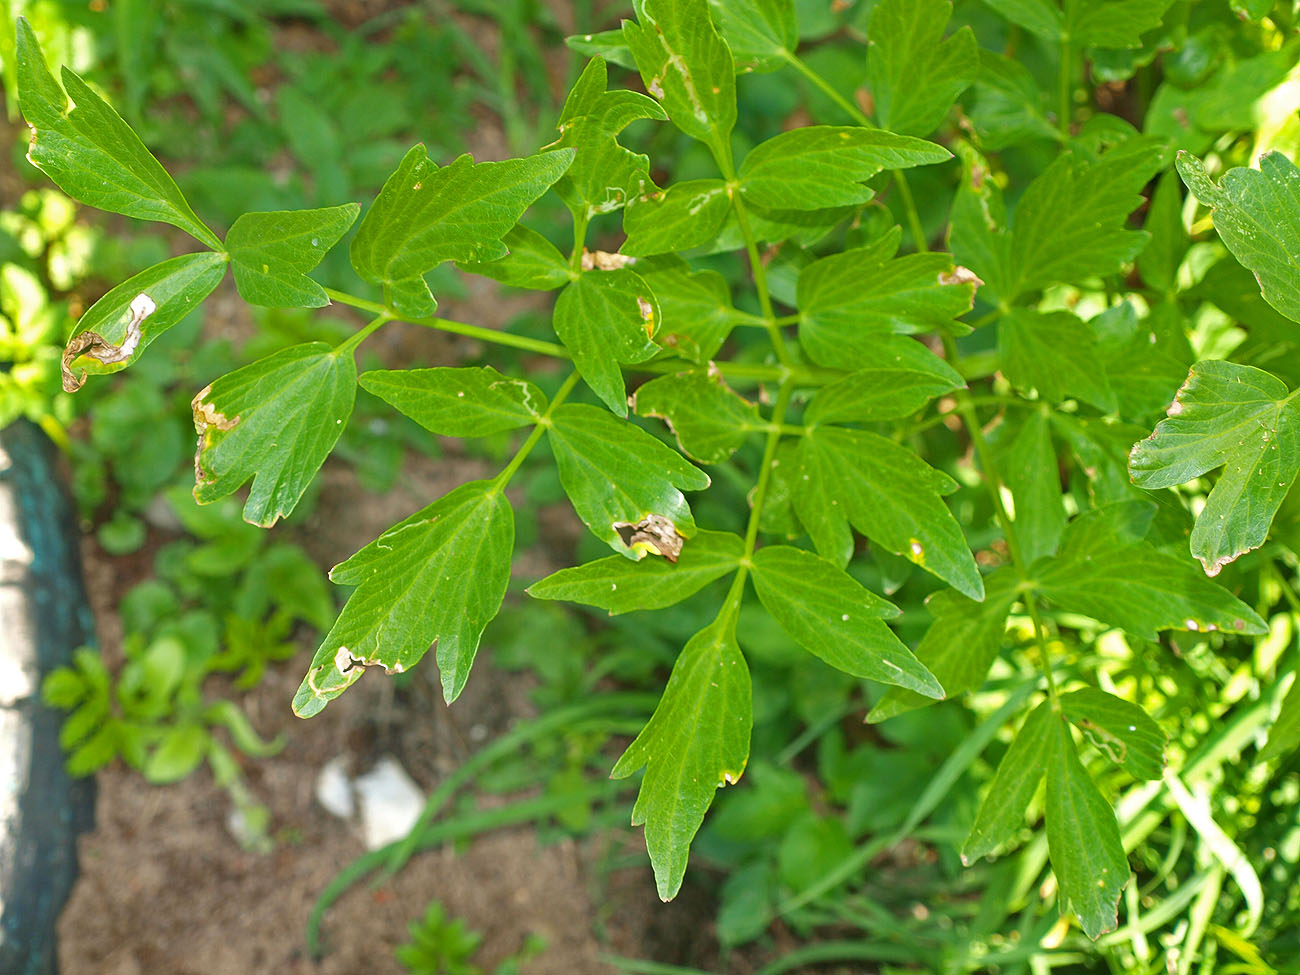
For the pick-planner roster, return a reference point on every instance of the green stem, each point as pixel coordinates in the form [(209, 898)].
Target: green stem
[(543, 424), (759, 273), (580, 221), (1066, 101), (913, 215), (350, 343)]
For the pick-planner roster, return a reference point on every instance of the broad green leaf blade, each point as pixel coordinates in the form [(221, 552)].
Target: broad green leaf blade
[(1082, 838), (94, 156), (833, 616), (687, 66), (683, 216), (761, 33), (822, 166), (1284, 735), (1042, 17), (271, 253), (607, 44), (887, 493), (1257, 213), (1055, 353), (1009, 105), (1031, 471), (1146, 360), (960, 645), (978, 234), (708, 418), (469, 402), (605, 318), (1112, 23), (439, 575), (881, 394), (274, 420), (622, 586), (695, 307), (1002, 813), (425, 215), (915, 74), (1120, 730), (696, 741), (1239, 417), (1071, 222), (1160, 259), (622, 480), (531, 261), (120, 326)]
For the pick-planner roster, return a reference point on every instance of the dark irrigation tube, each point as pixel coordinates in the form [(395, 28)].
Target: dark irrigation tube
[(44, 616)]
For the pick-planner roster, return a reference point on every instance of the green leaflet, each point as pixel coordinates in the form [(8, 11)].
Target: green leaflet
[(687, 66), (1088, 23), (606, 44), (1120, 730), (439, 575), (695, 309), (618, 477), (1284, 735), (696, 741), (1055, 353), (1001, 815), (886, 492), (1082, 837), (977, 231), (275, 420), (120, 326), (833, 616), (271, 253), (468, 402), (761, 33), (531, 261), (916, 74), (92, 154), (1256, 214), (605, 318), (1161, 258), (882, 394), (683, 216), (1145, 361), (708, 418), (823, 166), (622, 586), (1009, 107), (1029, 468), (1042, 17), (1237, 417), (425, 215)]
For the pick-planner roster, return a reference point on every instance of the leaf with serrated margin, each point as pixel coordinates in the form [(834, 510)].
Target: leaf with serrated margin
[(977, 231), (888, 494), (1055, 353), (960, 645), (761, 33), (467, 402), (271, 253), (1119, 729), (1083, 840), (683, 216), (882, 394), (1113, 23), (439, 575), (833, 616), (425, 215), (709, 420), (605, 318), (687, 66), (94, 156), (616, 474), (274, 420), (1071, 222), (1029, 467), (1257, 213), (1002, 813), (621, 586), (1237, 417), (175, 288), (915, 74), (696, 741), (532, 262), (696, 314), (821, 166)]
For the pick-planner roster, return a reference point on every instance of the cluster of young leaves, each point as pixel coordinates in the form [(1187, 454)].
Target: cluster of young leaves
[(837, 462)]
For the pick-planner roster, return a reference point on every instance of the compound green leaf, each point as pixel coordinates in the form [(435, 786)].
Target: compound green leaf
[(1257, 213), (425, 215), (1237, 417), (1055, 353), (882, 393), (708, 418), (468, 402), (120, 326), (605, 318), (1082, 837), (695, 307), (271, 253), (531, 261), (85, 147), (1112, 23), (440, 575), (888, 494), (696, 741), (687, 66), (1001, 815), (1031, 470), (622, 586), (1119, 729), (274, 420), (833, 616), (914, 73), (761, 33), (821, 166), (622, 480), (683, 216)]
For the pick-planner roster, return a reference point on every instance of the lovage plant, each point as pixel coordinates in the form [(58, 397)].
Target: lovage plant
[(848, 379)]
